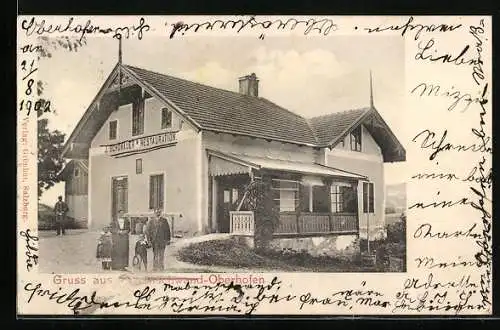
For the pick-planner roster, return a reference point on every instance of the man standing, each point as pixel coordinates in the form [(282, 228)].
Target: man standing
[(158, 234), (60, 210)]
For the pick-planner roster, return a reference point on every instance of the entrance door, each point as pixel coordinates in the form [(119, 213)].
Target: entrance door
[(228, 195), (224, 206), (119, 201)]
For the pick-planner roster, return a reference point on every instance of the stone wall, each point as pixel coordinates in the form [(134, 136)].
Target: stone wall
[(333, 246)]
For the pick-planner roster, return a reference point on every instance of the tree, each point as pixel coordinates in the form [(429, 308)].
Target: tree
[(50, 143), (50, 161)]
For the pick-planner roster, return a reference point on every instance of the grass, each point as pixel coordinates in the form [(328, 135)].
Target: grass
[(229, 253)]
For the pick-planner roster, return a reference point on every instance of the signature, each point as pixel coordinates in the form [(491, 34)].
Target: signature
[(430, 262), (31, 249), (429, 141), (34, 26), (471, 176), (484, 256), (322, 26), (476, 32), (459, 99), (219, 297), (425, 231), (419, 28), (427, 53)]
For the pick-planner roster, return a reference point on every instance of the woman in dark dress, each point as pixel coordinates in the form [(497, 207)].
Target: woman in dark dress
[(120, 255)]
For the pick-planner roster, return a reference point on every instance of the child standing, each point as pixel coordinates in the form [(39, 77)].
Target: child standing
[(141, 252), (104, 247)]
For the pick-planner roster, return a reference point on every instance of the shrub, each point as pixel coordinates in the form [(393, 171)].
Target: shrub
[(266, 214), (46, 220), (396, 232)]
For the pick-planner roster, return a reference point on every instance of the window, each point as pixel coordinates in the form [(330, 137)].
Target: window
[(227, 196), (368, 198), (285, 194), (112, 129), (138, 117), (321, 199), (314, 198), (77, 172), (156, 192), (138, 166), (343, 198), (235, 195), (355, 138), (166, 118)]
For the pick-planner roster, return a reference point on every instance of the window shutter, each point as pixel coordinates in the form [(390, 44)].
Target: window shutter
[(160, 191), (371, 199), (112, 129), (141, 116), (365, 197), (151, 192)]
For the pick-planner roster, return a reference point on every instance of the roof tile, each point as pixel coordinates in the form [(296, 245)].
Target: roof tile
[(328, 127), (221, 110)]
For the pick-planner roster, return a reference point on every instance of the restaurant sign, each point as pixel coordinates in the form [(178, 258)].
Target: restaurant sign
[(141, 144)]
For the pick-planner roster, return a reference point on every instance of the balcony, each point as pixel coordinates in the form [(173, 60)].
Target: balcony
[(293, 224)]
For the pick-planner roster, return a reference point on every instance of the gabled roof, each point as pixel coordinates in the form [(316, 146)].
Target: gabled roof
[(332, 128), (214, 109), (69, 167), (329, 127), (225, 111)]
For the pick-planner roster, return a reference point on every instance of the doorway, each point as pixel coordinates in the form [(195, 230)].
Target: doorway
[(229, 192), (119, 193)]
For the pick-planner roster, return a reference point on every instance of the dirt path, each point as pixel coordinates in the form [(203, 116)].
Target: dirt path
[(75, 253)]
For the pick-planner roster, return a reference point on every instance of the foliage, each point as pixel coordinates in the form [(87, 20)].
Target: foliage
[(48, 45), (396, 232), (394, 245), (227, 253), (50, 161), (265, 211), (303, 259), (46, 219), (230, 253)]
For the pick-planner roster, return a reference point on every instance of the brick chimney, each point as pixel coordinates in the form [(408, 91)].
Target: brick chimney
[(249, 85)]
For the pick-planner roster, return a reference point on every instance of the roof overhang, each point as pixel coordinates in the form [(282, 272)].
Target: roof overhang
[(69, 167), (228, 164), (392, 149), (77, 145)]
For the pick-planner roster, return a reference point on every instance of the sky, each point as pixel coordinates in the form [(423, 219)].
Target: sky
[(310, 76)]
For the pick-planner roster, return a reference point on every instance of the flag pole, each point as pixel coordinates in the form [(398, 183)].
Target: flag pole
[(371, 90), (120, 64)]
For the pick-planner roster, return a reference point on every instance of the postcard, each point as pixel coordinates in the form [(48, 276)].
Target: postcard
[(254, 165)]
